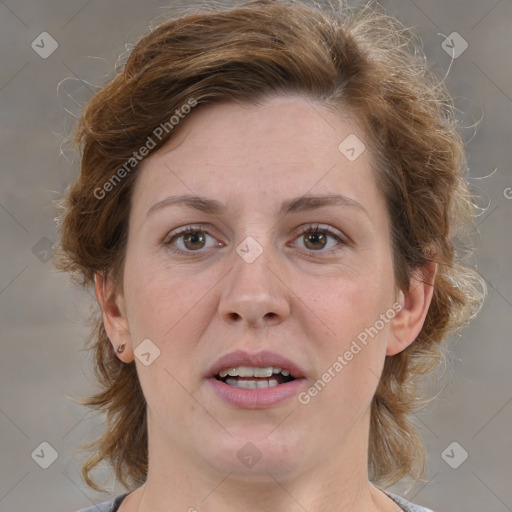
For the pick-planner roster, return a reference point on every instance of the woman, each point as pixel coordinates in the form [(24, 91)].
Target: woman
[(267, 206)]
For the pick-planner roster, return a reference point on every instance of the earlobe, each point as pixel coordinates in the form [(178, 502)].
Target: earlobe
[(408, 322), (114, 317)]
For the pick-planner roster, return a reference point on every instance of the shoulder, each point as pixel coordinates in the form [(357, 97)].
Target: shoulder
[(107, 506), (405, 505)]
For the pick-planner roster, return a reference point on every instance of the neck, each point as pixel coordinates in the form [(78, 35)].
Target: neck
[(179, 477)]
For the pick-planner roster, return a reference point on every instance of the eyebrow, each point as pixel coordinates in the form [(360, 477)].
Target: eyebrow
[(295, 205)]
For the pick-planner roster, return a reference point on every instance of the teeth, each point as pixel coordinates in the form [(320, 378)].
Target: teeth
[(247, 371), (252, 384), (261, 372)]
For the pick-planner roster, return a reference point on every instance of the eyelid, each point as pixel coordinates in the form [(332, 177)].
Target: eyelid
[(323, 228), (183, 230)]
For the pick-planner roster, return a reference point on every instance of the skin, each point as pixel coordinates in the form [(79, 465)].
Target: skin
[(299, 298)]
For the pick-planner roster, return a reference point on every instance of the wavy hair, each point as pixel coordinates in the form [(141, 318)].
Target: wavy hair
[(356, 60)]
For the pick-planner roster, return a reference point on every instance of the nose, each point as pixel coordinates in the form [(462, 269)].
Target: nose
[(255, 294)]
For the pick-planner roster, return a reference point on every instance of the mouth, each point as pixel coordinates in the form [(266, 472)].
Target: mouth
[(255, 381), (254, 377)]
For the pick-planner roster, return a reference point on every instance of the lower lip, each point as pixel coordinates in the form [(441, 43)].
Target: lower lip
[(255, 398)]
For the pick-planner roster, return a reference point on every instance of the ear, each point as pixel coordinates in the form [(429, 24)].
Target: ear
[(407, 324), (114, 317)]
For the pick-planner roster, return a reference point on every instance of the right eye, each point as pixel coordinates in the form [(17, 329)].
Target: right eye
[(192, 238)]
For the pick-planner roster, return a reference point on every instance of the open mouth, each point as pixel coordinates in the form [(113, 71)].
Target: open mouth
[(254, 377), (255, 381)]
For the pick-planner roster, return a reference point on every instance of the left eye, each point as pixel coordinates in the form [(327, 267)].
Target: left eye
[(318, 236)]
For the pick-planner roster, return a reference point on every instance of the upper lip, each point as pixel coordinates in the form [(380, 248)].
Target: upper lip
[(260, 359)]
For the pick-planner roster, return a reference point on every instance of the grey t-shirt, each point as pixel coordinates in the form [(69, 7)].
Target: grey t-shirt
[(113, 505)]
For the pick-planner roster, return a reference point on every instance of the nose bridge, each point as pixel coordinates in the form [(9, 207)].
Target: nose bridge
[(253, 293)]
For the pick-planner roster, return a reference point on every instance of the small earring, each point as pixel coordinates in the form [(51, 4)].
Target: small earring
[(120, 348)]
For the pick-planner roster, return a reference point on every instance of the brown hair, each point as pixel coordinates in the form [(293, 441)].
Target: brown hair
[(357, 60)]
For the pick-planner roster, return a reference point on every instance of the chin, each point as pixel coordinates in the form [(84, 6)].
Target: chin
[(254, 458)]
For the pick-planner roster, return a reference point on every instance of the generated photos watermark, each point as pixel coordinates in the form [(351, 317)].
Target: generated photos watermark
[(355, 347), (159, 132)]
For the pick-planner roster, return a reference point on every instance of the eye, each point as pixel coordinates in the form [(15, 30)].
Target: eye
[(317, 238), (193, 239)]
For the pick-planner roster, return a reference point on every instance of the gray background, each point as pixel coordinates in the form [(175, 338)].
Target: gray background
[(41, 315)]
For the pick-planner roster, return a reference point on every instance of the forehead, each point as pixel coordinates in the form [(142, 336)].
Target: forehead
[(254, 156)]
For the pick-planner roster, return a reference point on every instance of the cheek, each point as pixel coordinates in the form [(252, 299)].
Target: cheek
[(350, 361), (146, 299), (163, 306), (171, 306), (348, 307), (356, 315)]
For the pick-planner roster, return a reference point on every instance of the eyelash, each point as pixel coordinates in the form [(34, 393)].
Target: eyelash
[(200, 229)]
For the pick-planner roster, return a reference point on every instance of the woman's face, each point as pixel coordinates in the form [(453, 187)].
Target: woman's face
[(269, 270)]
